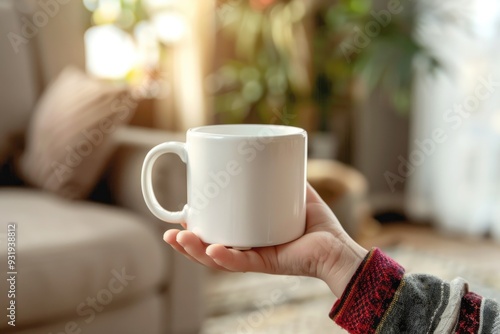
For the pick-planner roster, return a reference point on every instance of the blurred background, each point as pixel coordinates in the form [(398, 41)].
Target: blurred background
[(401, 101), (370, 81)]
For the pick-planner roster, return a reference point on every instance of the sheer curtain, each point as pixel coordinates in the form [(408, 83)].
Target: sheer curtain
[(187, 62), (453, 170)]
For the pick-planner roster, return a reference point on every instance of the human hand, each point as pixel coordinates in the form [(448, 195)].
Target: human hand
[(324, 251)]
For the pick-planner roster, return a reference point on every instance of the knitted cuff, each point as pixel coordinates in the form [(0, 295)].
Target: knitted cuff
[(369, 294), (470, 312)]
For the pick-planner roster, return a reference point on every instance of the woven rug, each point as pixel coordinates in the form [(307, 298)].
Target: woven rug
[(258, 303)]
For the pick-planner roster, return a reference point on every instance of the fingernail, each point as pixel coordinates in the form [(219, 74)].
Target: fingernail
[(178, 240), (209, 251)]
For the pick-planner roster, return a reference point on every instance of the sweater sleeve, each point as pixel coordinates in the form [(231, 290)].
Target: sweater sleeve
[(381, 298)]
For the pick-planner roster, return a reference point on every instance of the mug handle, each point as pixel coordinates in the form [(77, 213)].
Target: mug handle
[(147, 184)]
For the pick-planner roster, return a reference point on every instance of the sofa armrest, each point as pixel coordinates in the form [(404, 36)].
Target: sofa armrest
[(185, 291), (169, 172)]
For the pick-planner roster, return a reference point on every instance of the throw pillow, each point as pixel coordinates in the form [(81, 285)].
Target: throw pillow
[(69, 138)]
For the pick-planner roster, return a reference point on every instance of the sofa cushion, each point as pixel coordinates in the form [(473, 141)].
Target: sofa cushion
[(73, 254), (69, 138)]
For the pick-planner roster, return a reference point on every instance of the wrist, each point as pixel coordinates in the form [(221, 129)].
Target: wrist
[(339, 274)]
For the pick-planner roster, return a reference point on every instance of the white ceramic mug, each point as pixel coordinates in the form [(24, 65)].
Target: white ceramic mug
[(246, 184)]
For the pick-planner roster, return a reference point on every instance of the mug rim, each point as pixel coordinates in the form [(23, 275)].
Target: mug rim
[(230, 131)]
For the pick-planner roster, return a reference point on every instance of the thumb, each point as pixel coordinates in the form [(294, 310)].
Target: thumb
[(312, 195)]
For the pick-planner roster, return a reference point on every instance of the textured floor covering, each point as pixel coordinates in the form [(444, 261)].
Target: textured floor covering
[(258, 303)]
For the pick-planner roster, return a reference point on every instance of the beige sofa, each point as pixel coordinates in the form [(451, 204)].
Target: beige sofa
[(83, 266)]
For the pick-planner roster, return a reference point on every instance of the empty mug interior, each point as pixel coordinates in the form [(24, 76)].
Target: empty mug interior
[(247, 130)]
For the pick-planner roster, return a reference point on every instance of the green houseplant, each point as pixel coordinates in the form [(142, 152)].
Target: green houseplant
[(319, 59)]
